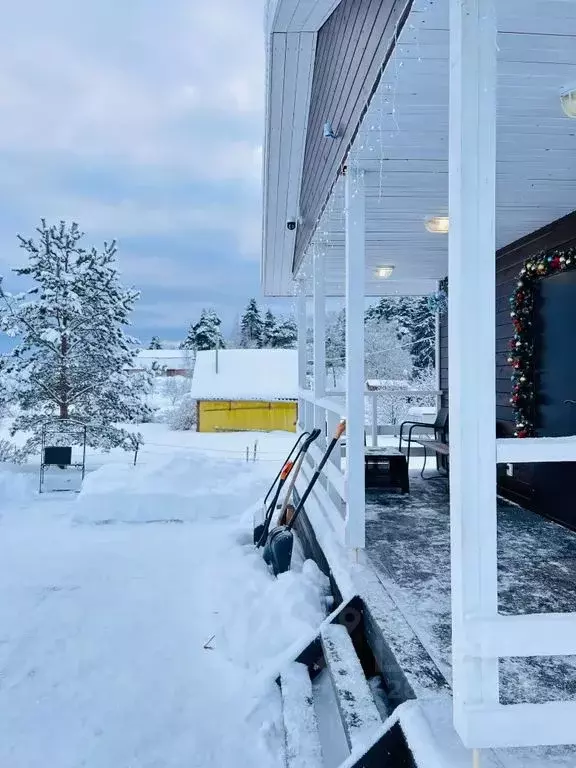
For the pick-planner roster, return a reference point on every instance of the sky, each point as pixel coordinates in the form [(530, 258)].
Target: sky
[(142, 121)]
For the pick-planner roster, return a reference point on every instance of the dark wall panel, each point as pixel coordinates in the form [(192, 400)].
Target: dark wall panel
[(352, 46), (509, 261)]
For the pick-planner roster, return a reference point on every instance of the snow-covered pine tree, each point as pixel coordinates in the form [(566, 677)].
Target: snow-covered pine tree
[(190, 340), (207, 333), (155, 343), (72, 356), (422, 326), (251, 326), (268, 329), (336, 343), (284, 335), (415, 323)]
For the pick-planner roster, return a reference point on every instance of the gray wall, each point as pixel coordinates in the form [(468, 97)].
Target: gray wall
[(352, 46)]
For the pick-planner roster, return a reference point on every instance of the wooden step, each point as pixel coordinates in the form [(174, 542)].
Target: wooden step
[(358, 711), (303, 748)]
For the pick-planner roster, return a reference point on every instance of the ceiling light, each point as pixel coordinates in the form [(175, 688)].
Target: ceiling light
[(437, 224), (384, 272), (568, 101)]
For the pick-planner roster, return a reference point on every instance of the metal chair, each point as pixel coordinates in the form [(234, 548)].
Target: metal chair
[(439, 426)]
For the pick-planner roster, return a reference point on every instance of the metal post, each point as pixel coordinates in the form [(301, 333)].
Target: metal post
[(437, 360), (471, 277), (355, 257), (374, 420)]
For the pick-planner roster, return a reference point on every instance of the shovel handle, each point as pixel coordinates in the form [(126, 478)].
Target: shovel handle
[(340, 429), (286, 469)]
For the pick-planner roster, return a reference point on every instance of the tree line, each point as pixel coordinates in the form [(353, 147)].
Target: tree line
[(255, 331)]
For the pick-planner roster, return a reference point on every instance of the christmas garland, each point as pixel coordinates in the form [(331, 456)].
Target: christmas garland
[(522, 345)]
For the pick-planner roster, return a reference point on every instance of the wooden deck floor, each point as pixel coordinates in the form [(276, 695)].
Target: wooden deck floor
[(408, 546)]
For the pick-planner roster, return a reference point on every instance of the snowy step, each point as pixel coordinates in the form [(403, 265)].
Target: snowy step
[(303, 748), (358, 711)]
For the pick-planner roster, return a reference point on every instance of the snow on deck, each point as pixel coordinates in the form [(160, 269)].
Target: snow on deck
[(137, 643), (408, 546), (246, 374)]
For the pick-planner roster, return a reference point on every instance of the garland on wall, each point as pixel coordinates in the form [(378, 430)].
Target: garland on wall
[(522, 345)]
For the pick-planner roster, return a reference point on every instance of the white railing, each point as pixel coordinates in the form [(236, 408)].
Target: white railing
[(330, 493)]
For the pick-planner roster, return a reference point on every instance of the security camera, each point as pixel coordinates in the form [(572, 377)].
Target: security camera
[(291, 225)]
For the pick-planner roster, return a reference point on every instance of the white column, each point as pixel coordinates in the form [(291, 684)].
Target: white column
[(472, 348), (302, 353), (355, 260), (319, 315)]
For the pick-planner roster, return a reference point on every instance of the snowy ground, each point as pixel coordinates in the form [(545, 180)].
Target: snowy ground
[(139, 644)]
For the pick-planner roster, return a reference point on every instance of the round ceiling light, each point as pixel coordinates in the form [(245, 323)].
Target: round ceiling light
[(384, 272), (437, 224), (568, 101)]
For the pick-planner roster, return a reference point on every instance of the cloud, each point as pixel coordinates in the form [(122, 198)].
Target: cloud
[(139, 120)]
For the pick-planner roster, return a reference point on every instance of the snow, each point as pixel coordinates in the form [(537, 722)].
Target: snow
[(246, 374), (359, 713), (303, 748), (143, 644)]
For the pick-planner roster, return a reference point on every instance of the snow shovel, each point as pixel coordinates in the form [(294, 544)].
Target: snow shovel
[(257, 527), (261, 531), (286, 460), (280, 542)]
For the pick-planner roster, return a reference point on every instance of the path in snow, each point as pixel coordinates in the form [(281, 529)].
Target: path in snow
[(102, 634)]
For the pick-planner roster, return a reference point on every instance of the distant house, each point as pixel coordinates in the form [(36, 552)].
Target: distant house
[(164, 362), (246, 389)]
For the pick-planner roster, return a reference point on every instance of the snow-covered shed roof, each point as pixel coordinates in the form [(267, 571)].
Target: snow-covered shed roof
[(246, 374), (176, 359)]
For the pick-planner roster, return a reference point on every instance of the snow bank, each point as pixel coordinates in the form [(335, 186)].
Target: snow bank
[(275, 613), (16, 487), (185, 488)]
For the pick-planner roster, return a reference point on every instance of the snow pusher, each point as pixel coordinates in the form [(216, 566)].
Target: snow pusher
[(294, 459), (280, 542), (342, 709)]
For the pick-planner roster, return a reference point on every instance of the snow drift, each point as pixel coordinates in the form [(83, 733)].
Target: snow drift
[(184, 488)]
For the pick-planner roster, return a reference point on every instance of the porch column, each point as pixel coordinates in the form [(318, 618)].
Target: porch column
[(471, 320), (302, 352), (319, 314), (355, 262)]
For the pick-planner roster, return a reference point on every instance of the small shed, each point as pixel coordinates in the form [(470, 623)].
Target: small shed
[(246, 390)]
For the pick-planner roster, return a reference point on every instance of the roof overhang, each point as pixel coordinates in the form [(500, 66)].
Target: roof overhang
[(402, 146), (291, 30)]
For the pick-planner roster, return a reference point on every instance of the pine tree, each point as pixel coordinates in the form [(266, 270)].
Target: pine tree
[(190, 340), (251, 326), (415, 325), (268, 329), (155, 343), (72, 357), (336, 342), (207, 333), (284, 335)]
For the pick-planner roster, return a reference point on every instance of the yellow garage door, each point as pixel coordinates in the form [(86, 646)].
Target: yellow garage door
[(241, 416)]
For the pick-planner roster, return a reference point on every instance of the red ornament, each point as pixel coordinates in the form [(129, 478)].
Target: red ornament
[(522, 433)]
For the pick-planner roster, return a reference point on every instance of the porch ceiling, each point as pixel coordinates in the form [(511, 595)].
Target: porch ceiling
[(402, 144)]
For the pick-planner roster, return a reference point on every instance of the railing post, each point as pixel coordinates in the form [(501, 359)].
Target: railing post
[(471, 277), (355, 381)]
